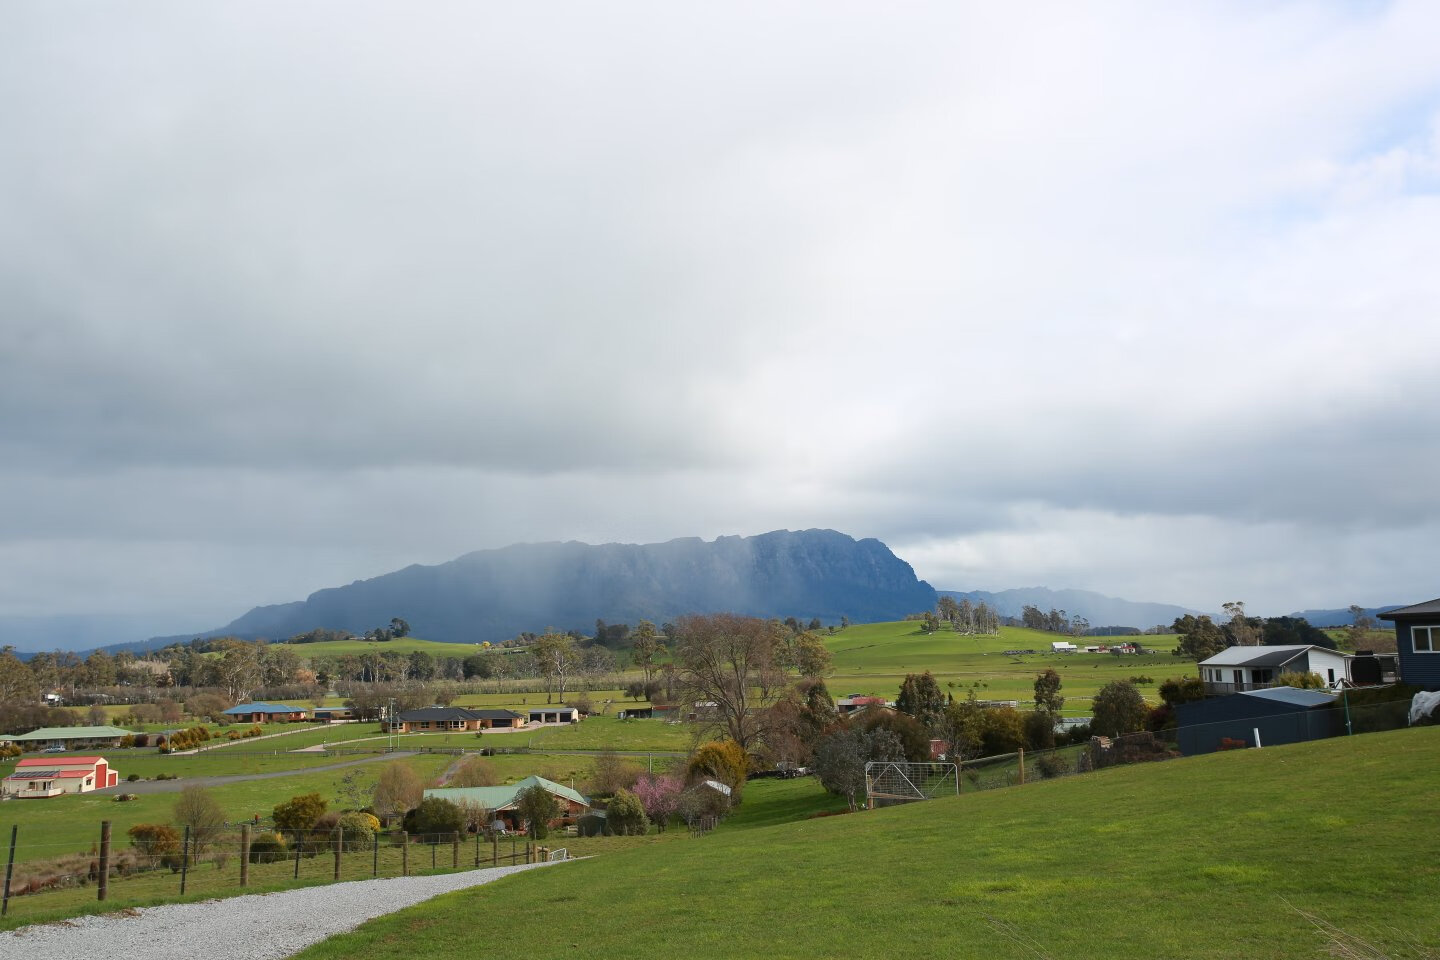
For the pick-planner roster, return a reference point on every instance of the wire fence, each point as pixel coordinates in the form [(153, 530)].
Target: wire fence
[(41, 876), (1029, 766)]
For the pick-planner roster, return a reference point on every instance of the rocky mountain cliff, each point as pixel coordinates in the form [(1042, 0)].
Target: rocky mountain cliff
[(495, 594)]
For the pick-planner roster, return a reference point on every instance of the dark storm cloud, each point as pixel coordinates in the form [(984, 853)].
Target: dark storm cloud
[(293, 294)]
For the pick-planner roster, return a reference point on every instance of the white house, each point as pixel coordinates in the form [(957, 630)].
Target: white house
[(1062, 646), (1237, 669)]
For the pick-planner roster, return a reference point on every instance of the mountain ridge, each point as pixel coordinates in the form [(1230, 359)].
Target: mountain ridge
[(495, 594)]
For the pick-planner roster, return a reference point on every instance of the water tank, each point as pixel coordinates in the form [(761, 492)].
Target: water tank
[(1365, 670)]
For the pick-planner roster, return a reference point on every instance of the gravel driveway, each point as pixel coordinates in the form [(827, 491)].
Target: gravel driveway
[(255, 927)]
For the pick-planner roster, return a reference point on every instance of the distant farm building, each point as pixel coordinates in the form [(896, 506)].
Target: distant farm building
[(42, 777), (554, 715), (333, 714), (856, 702)]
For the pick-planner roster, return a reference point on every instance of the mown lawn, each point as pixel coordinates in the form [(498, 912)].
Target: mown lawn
[(1208, 857)]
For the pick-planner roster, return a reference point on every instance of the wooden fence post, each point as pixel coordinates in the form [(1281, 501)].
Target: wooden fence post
[(9, 871), (185, 860), (299, 842), (1022, 765), (104, 889), (404, 854), (244, 854), (495, 848), (455, 851), (339, 845)]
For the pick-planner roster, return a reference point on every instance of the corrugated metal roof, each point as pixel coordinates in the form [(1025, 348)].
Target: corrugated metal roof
[(244, 708), (456, 713), (71, 733), (497, 798), (1415, 610), (1301, 698), (1251, 656)]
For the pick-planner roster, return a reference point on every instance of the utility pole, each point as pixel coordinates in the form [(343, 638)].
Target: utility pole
[(390, 727)]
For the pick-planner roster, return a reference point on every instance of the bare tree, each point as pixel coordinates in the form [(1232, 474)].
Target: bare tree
[(199, 811), (728, 666), (398, 791)]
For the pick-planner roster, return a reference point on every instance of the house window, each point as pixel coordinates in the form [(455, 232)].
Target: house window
[(1425, 639), (1263, 676)]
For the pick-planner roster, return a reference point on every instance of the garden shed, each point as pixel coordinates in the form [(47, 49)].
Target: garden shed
[(1281, 714)]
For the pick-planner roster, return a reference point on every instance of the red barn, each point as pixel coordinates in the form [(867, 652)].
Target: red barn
[(52, 776)]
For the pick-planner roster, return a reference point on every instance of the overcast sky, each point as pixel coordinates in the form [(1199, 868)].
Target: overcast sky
[(1134, 297)]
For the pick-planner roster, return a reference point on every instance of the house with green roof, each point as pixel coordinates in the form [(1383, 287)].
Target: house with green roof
[(501, 800), (69, 738)]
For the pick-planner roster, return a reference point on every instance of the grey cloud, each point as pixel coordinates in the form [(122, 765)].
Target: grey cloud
[(292, 292)]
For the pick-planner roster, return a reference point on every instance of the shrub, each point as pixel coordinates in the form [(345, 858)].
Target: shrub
[(536, 807), (1004, 730), (358, 830), (1118, 708), (613, 773), (128, 740), (142, 739), (1080, 733), (1052, 765), (1039, 730), (722, 760), (437, 818), (1182, 690), (154, 841), (660, 796), (267, 848), (626, 815), (133, 777), (1305, 681), (299, 813), (10, 750)]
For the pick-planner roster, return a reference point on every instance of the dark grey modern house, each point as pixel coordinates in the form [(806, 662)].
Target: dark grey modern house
[(1417, 643)]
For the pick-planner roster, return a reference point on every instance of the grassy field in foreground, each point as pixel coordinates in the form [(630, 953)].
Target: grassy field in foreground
[(1205, 858), (873, 658)]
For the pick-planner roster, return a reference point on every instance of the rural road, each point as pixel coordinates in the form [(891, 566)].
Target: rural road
[(175, 786), (254, 927)]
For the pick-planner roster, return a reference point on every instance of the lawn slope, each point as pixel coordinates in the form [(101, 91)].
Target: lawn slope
[(1201, 857)]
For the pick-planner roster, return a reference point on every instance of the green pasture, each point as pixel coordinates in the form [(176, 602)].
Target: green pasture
[(1208, 857), (606, 733), (340, 648), (521, 702), (216, 763), (873, 659)]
